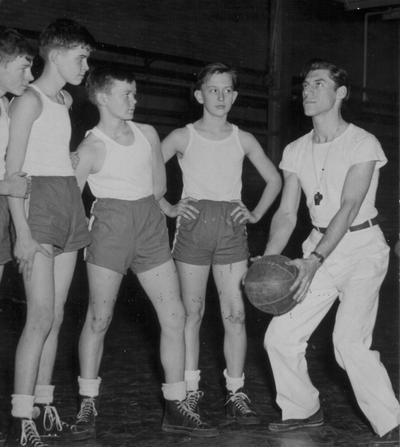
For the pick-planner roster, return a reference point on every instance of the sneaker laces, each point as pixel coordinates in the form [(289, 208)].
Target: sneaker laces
[(188, 413), (241, 401), (51, 418), (87, 409), (193, 398), (30, 435)]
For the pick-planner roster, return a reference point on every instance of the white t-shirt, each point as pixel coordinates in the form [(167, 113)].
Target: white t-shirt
[(322, 167)]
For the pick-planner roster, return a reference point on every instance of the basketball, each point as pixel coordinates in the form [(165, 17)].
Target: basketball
[(267, 283)]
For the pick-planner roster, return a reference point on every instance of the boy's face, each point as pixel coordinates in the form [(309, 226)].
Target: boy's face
[(217, 94), (72, 63), (320, 94), (15, 75), (120, 100)]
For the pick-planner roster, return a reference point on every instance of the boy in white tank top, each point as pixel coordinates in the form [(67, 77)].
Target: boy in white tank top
[(50, 227), (211, 227), (122, 163), (16, 55)]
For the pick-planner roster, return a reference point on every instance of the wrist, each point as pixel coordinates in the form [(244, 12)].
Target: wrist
[(316, 255)]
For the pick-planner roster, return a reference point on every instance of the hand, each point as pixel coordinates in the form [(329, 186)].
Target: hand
[(19, 185), (241, 214), (307, 269), (185, 209), (25, 251)]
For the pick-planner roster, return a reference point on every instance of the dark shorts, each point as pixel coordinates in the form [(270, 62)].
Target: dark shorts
[(5, 242), (212, 238), (128, 234), (56, 215)]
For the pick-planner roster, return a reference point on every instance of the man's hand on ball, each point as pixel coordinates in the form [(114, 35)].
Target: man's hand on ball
[(307, 269)]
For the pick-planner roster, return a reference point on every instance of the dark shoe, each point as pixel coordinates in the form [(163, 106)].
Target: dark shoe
[(51, 428), (23, 433), (391, 438), (179, 418), (86, 417), (315, 420), (237, 409), (193, 398)]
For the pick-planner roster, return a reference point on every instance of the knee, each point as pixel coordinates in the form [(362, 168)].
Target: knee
[(279, 339), (99, 324), (57, 320), (40, 320), (234, 317), (174, 320), (194, 316), (345, 348)]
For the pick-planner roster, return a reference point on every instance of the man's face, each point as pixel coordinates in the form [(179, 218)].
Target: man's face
[(72, 63), (15, 75), (121, 99), (217, 94), (320, 94)]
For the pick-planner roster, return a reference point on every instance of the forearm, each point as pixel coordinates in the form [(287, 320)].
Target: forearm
[(282, 227), (165, 206), (17, 211), (337, 228), (268, 197)]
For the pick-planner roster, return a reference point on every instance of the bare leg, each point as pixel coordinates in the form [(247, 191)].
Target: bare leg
[(103, 285), (193, 280), (227, 279), (39, 319), (64, 266), (162, 287)]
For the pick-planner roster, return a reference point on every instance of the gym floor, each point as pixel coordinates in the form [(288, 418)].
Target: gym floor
[(131, 406)]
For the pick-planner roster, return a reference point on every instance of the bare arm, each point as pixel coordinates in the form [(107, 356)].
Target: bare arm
[(267, 171), (355, 188), (175, 143), (24, 111), (88, 159), (158, 168)]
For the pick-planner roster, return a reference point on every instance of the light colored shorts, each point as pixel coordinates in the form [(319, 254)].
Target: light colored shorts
[(56, 215), (212, 238), (5, 241), (128, 234)]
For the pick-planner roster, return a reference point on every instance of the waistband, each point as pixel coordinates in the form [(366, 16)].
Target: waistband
[(368, 223)]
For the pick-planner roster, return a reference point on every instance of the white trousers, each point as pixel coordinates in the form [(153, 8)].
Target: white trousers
[(353, 272)]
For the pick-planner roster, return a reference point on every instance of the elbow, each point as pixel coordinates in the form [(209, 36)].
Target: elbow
[(159, 193)]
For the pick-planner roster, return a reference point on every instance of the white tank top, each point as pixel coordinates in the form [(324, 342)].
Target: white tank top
[(126, 173), (212, 169), (47, 152), (4, 134)]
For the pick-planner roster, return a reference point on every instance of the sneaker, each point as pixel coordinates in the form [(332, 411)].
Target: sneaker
[(391, 438), (179, 418), (23, 433), (50, 426), (315, 420), (193, 398), (86, 417), (237, 409)]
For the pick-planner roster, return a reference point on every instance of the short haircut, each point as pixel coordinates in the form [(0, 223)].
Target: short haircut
[(101, 79), (64, 34), (338, 75), (14, 44), (216, 68)]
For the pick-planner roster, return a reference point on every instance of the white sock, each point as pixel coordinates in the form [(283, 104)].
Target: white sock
[(44, 394), (22, 405), (89, 387), (192, 379), (233, 383), (174, 391)]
